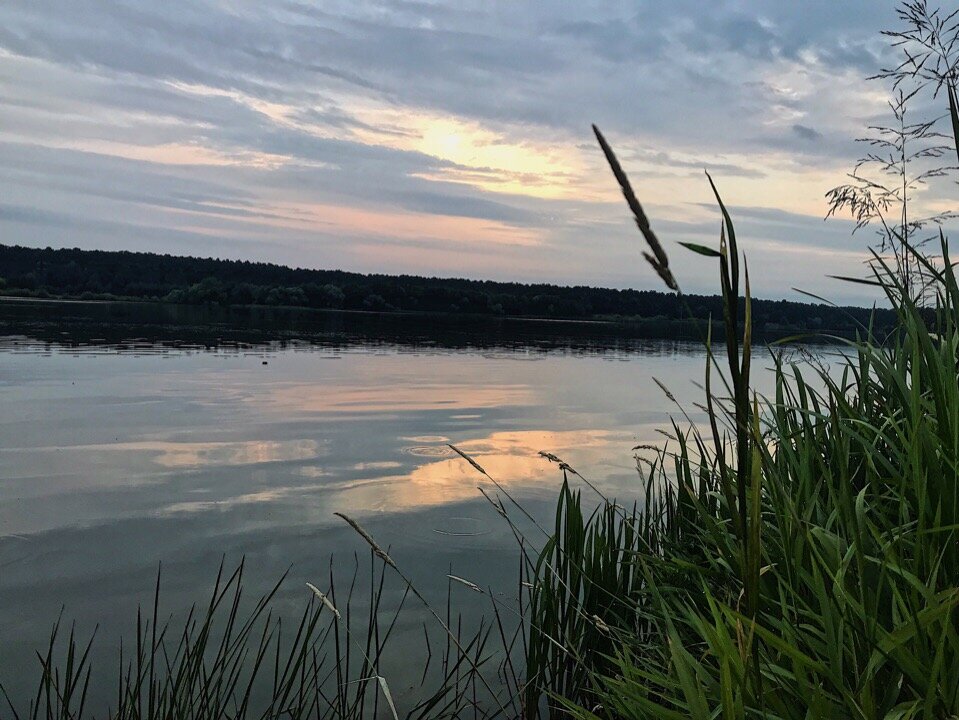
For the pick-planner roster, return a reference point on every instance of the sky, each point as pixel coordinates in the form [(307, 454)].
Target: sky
[(442, 138)]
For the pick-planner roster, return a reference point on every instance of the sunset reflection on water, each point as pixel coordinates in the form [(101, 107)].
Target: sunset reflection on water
[(385, 398), (510, 458), (115, 461)]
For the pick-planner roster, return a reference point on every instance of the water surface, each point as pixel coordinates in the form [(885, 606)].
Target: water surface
[(134, 434)]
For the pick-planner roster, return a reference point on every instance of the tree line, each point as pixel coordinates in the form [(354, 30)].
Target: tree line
[(111, 275)]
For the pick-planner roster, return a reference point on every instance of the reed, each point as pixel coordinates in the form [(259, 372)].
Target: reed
[(230, 659), (840, 599), (796, 556)]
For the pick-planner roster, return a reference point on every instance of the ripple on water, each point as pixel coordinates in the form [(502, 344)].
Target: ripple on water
[(464, 527), (429, 451), (428, 439)]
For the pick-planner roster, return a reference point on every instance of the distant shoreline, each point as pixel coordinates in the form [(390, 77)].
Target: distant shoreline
[(74, 275)]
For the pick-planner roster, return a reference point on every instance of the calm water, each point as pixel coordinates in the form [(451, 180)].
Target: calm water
[(132, 435)]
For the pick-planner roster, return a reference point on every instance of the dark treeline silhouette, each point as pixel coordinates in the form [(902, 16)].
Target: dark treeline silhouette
[(102, 275)]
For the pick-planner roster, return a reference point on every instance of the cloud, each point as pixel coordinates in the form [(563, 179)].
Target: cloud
[(806, 133), (454, 136)]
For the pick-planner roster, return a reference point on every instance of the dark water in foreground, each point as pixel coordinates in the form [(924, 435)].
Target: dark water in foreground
[(135, 434)]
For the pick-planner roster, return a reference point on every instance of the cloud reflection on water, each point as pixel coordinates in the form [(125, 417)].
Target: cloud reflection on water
[(186, 455), (295, 399), (510, 457)]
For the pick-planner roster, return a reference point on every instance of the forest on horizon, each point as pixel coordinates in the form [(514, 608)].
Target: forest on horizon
[(124, 275)]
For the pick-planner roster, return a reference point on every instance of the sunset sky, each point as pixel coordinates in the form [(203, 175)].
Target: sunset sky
[(440, 138)]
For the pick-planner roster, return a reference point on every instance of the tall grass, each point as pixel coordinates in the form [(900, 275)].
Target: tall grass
[(796, 556), (237, 659), (840, 598)]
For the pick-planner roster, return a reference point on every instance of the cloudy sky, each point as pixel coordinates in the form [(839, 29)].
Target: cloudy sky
[(439, 137)]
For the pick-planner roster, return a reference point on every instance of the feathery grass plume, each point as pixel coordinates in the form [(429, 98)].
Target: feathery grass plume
[(468, 459), (499, 487), (658, 259), (380, 552), (325, 600), (462, 581), (666, 391), (563, 465)]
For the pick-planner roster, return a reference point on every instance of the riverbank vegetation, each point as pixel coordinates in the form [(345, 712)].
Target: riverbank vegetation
[(796, 556), (102, 275)]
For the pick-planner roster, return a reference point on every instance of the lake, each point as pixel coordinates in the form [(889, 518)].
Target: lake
[(139, 434)]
